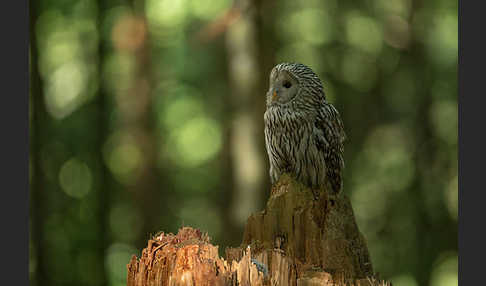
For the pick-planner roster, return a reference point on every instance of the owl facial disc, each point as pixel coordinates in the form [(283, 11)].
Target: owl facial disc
[(283, 88)]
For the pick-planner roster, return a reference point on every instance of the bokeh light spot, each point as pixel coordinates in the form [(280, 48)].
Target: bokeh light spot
[(168, 13), (123, 156), (443, 115), (65, 61), (445, 271), (64, 89), (118, 72), (208, 9), (182, 108), (364, 33), (384, 168), (442, 39), (359, 70), (75, 178), (309, 25), (195, 142)]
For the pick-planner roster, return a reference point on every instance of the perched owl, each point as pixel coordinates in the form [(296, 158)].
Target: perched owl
[(304, 134)]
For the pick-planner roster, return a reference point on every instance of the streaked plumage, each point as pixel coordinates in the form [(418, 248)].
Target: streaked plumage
[(304, 134)]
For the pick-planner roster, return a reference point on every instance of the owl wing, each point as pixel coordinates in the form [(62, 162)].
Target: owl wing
[(330, 138)]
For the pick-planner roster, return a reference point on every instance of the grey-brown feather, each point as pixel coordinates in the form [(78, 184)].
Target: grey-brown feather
[(304, 136)]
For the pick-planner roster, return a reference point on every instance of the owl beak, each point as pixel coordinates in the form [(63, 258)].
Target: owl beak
[(274, 95)]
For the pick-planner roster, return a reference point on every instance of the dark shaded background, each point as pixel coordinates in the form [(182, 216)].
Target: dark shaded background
[(148, 115)]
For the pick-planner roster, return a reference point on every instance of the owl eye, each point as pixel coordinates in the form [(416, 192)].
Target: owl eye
[(287, 84)]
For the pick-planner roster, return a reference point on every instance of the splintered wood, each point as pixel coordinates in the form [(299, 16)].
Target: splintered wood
[(189, 259), (299, 239)]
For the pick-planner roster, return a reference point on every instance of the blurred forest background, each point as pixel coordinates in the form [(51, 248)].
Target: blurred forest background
[(147, 115)]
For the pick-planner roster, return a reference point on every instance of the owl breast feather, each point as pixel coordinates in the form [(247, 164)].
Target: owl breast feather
[(291, 147)]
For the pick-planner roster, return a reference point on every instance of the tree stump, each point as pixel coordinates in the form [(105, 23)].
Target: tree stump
[(302, 237)]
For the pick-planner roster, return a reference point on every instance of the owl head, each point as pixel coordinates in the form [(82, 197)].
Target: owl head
[(293, 82)]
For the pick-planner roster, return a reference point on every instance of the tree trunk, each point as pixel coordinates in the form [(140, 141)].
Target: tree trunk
[(246, 125), (135, 114), (300, 238)]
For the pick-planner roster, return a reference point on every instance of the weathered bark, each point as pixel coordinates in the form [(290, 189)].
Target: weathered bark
[(299, 239), (315, 231)]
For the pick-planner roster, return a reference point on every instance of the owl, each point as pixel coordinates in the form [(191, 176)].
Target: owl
[(304, 134)]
